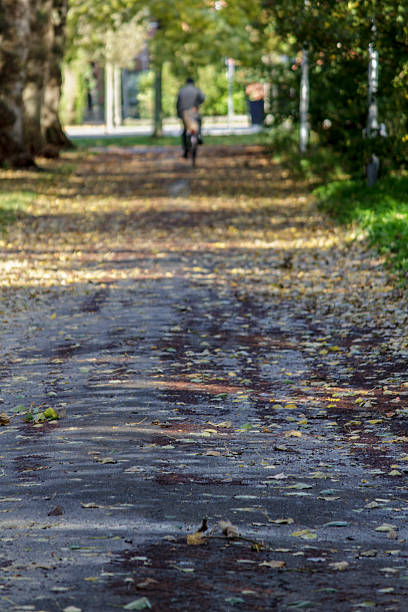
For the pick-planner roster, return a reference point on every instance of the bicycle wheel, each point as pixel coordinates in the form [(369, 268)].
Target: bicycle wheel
[(194, 148)]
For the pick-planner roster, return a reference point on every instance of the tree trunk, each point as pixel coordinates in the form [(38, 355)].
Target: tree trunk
[(14, 36), (37, 68), (53, 134), (158, 109)]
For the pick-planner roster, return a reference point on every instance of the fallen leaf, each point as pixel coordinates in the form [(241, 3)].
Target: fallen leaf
[(196, 539), (386, 527), (229, 530), (56, 512), (305, 534), (4, 419), (146, 583), (50, 414), (292, 433), (138, 604), (369, 553), (272, 564), (234, 600), (339, 565)]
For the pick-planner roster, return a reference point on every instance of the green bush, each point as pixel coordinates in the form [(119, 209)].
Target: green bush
[(382, 210)]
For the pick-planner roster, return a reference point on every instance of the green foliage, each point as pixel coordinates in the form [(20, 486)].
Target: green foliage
[(321, 163), (338, 33), (381, 210), (211, 79)]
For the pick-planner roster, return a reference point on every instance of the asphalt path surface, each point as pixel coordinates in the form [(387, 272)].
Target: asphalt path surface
[(219, 365)]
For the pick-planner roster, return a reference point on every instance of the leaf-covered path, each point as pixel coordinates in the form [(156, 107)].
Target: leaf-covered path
[(214, 348)]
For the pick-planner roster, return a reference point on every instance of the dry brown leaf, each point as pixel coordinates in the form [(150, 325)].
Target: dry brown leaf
[(57, 511)]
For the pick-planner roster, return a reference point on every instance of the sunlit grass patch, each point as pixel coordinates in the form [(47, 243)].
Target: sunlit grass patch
[(13, 203), (133, 141), (382, 210)]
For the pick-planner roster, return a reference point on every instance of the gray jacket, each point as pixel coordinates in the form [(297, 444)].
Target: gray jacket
[(188, 97)]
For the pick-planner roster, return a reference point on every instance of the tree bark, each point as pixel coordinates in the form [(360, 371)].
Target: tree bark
[(52, 131), (14, 36), (37, 69), (158, 108)]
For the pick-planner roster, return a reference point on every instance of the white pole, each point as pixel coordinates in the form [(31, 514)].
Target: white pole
[(230, 78), (117, 96), (304, 102), (372, 121), (373, 167), (109, 96)]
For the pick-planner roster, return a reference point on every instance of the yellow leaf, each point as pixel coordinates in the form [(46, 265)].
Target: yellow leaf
[(196, 539), (305, 534), (292, 433), (4, 419)]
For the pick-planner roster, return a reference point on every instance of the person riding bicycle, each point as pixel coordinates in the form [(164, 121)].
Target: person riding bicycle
[(189, 100)]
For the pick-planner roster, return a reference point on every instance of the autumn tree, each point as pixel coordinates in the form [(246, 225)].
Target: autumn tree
[(14, 36)]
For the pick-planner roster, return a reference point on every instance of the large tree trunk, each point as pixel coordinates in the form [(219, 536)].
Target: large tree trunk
[(14, 36), (53, 134), (41, 41)]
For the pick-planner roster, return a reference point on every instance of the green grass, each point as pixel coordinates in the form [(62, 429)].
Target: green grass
[(133, 141), (11, 204), (381, 210)]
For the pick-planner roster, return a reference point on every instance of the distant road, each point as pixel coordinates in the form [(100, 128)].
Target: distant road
[(211, 125)]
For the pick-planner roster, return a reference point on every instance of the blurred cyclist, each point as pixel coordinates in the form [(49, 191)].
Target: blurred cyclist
[(189, 100)]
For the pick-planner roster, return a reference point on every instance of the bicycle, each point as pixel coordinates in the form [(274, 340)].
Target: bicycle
[(192, 145), (192, 133)]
